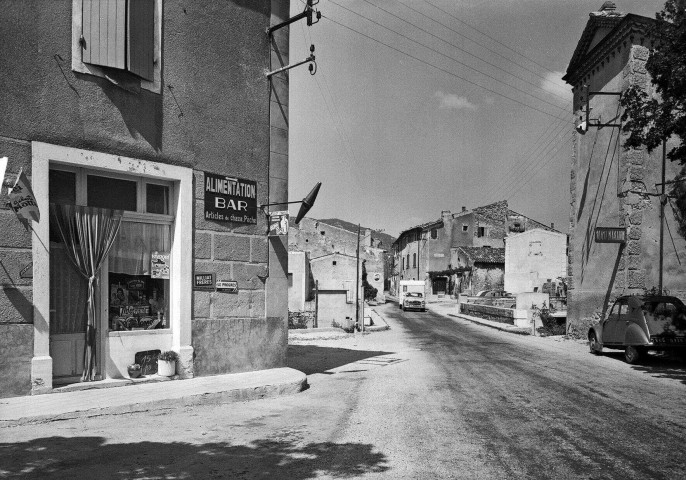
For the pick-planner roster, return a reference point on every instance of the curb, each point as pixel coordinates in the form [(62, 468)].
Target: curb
[(503, 327), (276, 382)]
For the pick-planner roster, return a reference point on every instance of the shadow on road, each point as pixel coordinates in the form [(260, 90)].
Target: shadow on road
[(92, 457), (663, 366), (311, 359)]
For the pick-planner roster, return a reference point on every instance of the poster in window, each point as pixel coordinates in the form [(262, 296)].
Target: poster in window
[(229, 199), (278, 223), (159, 265)]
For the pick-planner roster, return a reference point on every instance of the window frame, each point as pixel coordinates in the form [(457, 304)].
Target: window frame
[(78, 65)]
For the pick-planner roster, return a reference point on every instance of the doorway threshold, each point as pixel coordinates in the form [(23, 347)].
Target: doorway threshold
[(111, 383)]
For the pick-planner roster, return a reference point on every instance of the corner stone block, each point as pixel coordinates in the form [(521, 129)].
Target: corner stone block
[(635, 233), (635, 262), (12, 263), (636, 279), (231, 247), (248, 276), (636, 217), (634, 247), (202, 247)]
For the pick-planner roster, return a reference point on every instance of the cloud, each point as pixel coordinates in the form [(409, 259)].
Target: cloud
[(452, 101), (554, 84)]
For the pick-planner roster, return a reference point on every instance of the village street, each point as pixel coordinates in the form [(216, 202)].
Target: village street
[(433, 397)]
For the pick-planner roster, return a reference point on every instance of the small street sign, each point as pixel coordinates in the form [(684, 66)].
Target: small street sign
[(203, 281), (610, 235), (230, 286)]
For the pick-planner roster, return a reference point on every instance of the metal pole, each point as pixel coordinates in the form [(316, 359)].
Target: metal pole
[(662, 216), (357, 280), (316, 304)]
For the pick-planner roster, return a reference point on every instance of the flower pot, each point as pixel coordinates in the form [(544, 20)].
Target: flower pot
[(166, 368), (134, 373)]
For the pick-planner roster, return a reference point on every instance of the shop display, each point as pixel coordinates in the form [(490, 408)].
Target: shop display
[(136, 302)]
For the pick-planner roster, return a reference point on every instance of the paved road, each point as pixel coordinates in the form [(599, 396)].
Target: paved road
[(434, 397)]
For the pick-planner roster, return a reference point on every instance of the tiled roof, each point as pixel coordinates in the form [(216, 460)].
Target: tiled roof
[(484, 254)]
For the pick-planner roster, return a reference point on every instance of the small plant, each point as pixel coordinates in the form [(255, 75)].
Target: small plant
[(168, 356), (134, 366)]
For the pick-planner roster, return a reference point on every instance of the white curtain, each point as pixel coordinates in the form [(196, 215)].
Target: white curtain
[(134, 245)]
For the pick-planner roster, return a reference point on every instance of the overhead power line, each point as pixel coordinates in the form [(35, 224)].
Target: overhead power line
[(440, 69), (449, 57)]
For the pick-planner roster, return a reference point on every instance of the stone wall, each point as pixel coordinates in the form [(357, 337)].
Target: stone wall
[(489, 312)]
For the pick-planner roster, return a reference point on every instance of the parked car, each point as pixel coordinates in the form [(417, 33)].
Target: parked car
[(641, 323), (493, 293), (414, 301)]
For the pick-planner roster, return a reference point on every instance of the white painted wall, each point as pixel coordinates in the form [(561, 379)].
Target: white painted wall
[(532, 257)]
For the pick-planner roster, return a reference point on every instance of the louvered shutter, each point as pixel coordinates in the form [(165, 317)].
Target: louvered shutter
[(141, 44), (104, 33)]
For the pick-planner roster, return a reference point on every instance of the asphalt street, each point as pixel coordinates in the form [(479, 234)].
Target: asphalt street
[(433, 397)]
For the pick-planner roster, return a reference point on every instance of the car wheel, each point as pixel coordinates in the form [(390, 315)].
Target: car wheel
[(632, 355), (594, 344)]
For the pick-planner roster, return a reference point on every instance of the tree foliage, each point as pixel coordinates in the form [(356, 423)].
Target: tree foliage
[(651, 119), (369, 291)]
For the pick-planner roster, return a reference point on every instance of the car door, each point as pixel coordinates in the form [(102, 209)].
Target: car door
[(614, 327)]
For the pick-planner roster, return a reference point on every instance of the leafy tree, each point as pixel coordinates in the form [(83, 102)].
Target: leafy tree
[(649, 120), (369, 291)]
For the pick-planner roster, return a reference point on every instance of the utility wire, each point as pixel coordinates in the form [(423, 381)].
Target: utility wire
[(523, 67), (440, 69), (487, 35), (449, 57), (461, 49)]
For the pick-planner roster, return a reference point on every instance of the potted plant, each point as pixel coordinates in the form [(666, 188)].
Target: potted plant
[(166, 363), (134, 370)]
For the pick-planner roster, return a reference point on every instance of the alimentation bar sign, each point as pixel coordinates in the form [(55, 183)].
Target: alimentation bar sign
[(229, 199)]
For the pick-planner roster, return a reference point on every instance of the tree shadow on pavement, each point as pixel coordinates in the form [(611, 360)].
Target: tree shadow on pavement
[(311, 359), (93, 457), (663, 366)]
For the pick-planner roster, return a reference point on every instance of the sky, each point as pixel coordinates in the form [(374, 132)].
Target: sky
[(422, 106)]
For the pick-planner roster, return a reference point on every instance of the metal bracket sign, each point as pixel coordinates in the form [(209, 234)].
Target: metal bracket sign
[(203, 281), (230, 286), (610, 235), (229, 199)]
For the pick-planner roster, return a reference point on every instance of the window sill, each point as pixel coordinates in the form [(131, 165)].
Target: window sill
[(135, 333)]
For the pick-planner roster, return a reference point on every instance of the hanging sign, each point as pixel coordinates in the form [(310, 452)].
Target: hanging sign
[(159, 265), (22, 199), (278, 223), (203, 281), (230, 286), (610, 235), (230, 199)]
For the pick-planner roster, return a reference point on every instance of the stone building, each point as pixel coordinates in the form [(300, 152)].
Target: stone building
[(428, 251), (172, 132), (613, 189), (486, 268)]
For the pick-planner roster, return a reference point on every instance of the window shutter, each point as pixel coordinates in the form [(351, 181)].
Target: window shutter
[(141, 44), (104, 32)]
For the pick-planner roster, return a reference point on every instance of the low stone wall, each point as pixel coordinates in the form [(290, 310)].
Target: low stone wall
[(494, 314)]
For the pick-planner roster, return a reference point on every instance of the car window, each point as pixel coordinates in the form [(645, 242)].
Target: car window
[(623, 308), (414, 294), (613, 310), (665, 309)]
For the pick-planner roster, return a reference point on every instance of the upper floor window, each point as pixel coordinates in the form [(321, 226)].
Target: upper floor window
[(414, 260), (434, 233), (124, 35), (465, 227), (481, 232)]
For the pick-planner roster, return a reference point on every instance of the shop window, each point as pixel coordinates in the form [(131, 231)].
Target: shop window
[(111, 36), (112, 193), (157, 199)]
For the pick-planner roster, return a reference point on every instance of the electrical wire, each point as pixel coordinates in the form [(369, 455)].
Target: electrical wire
[(439, 68), (449, 57)]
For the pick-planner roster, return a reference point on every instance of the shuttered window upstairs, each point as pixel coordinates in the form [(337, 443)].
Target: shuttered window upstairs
[(119, 34)]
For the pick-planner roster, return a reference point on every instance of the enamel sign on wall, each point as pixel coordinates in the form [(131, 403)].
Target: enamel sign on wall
[(229, 199)]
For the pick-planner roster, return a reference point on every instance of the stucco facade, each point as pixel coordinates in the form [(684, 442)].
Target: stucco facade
[(611, 186), (532, 258), (209, 109)]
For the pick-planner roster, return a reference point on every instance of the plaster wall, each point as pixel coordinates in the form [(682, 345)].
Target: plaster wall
[(487, 277), (602, 174), (216, 112), (533, 257), (297, 271), (334, 308)]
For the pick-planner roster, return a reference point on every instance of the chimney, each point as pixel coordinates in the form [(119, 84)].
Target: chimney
[(608, 7), (445, 214), (367, 237), (464, 209), (552, 225)]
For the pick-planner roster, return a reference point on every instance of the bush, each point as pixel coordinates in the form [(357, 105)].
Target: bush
[(297, 320)]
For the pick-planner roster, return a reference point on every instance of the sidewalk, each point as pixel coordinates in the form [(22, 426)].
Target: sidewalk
[(137, 397), (449, 308)]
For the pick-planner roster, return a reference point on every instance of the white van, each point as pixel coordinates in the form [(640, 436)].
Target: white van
[(410, 286)]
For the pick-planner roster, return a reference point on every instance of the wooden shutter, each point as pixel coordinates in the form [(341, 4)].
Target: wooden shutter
[(104, 32), (141, 44)]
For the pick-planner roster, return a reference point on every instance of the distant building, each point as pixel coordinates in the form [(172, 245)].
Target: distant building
[(427, 251), (485, 268), (612, 189), (534, 258)]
